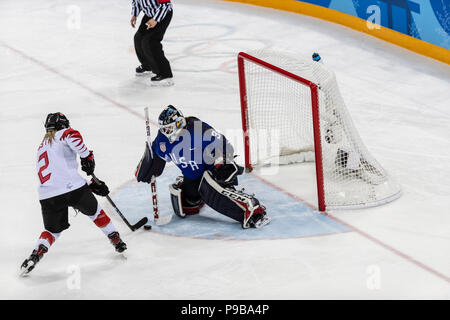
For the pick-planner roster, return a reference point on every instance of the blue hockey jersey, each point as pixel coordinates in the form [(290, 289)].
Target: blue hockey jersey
[(195, 149)]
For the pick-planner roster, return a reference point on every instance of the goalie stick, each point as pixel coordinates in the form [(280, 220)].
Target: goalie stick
[(159, 220), (134, 227)]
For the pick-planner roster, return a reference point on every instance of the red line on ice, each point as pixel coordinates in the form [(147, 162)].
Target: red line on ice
[(78, 83), (360, 232)]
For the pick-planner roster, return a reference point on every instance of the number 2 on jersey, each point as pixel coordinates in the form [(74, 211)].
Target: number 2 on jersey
[(45, 178)]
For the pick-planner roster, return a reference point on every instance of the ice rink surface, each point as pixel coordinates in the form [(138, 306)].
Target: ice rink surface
[(51, 61)]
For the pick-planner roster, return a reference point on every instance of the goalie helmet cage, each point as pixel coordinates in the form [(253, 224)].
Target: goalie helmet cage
[(292, 111)]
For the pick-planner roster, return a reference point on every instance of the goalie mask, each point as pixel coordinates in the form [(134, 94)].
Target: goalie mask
[(171, 122)]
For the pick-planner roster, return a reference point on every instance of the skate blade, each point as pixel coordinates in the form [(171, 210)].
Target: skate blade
[(123, 255), (145, 74), (162, 83), (23, 272)]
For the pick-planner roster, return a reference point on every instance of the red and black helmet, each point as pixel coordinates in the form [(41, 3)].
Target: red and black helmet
[(56, 121)]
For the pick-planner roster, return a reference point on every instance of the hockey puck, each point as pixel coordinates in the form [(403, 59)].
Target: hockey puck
[(148, 227)]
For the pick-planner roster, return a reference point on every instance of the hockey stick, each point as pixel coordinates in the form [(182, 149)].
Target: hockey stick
[(134, 227), (159, 221)]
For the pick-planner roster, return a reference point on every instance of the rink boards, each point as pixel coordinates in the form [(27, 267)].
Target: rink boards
[(290, 217)]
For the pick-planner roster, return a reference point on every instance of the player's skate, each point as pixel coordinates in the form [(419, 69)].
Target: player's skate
[(160, 81), (120, 246), (29, 264), (256, 216)]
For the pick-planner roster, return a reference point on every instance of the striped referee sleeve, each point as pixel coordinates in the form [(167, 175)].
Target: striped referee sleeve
[(146, 7), (156, 9), (161, 12), (135, 8)]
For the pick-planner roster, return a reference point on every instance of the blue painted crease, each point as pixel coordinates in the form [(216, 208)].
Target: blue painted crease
[(290, 218)]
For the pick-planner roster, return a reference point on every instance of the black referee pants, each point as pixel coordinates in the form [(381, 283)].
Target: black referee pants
[(148, 47)]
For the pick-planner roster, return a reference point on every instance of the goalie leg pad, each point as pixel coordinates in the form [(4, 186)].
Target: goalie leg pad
[(228, 201), (176, 200), (181, 205)]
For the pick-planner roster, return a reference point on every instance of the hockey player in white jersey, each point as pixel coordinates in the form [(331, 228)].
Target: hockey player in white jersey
[(61, 186)]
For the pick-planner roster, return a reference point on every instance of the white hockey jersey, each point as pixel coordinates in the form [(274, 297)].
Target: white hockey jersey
[(57, 166)]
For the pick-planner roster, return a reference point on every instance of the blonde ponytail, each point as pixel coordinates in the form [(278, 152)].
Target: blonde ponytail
[(49, 135)]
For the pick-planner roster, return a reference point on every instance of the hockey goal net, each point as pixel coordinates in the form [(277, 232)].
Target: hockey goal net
[(292, 111)]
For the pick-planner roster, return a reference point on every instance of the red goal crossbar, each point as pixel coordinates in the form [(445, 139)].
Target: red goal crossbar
[(315, 115)]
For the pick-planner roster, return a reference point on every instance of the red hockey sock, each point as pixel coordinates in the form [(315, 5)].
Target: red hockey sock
[(47, 238), (102, 221)]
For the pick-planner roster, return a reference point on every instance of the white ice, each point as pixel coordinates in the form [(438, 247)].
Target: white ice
[(399, 102)]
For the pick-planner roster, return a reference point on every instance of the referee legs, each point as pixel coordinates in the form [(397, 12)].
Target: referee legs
[(149, 49)]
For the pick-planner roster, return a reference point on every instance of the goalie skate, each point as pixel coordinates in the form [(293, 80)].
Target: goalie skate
[(257, 217), (262, 222)]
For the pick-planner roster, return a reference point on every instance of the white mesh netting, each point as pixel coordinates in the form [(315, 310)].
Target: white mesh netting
[(280, 128)]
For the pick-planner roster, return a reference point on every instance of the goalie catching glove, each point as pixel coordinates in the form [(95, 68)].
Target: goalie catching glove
[(226, 172), (99, 188)]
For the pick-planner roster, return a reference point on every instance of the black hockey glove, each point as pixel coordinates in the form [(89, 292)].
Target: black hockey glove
[(99, 188), (88, 164), (226, 173)]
